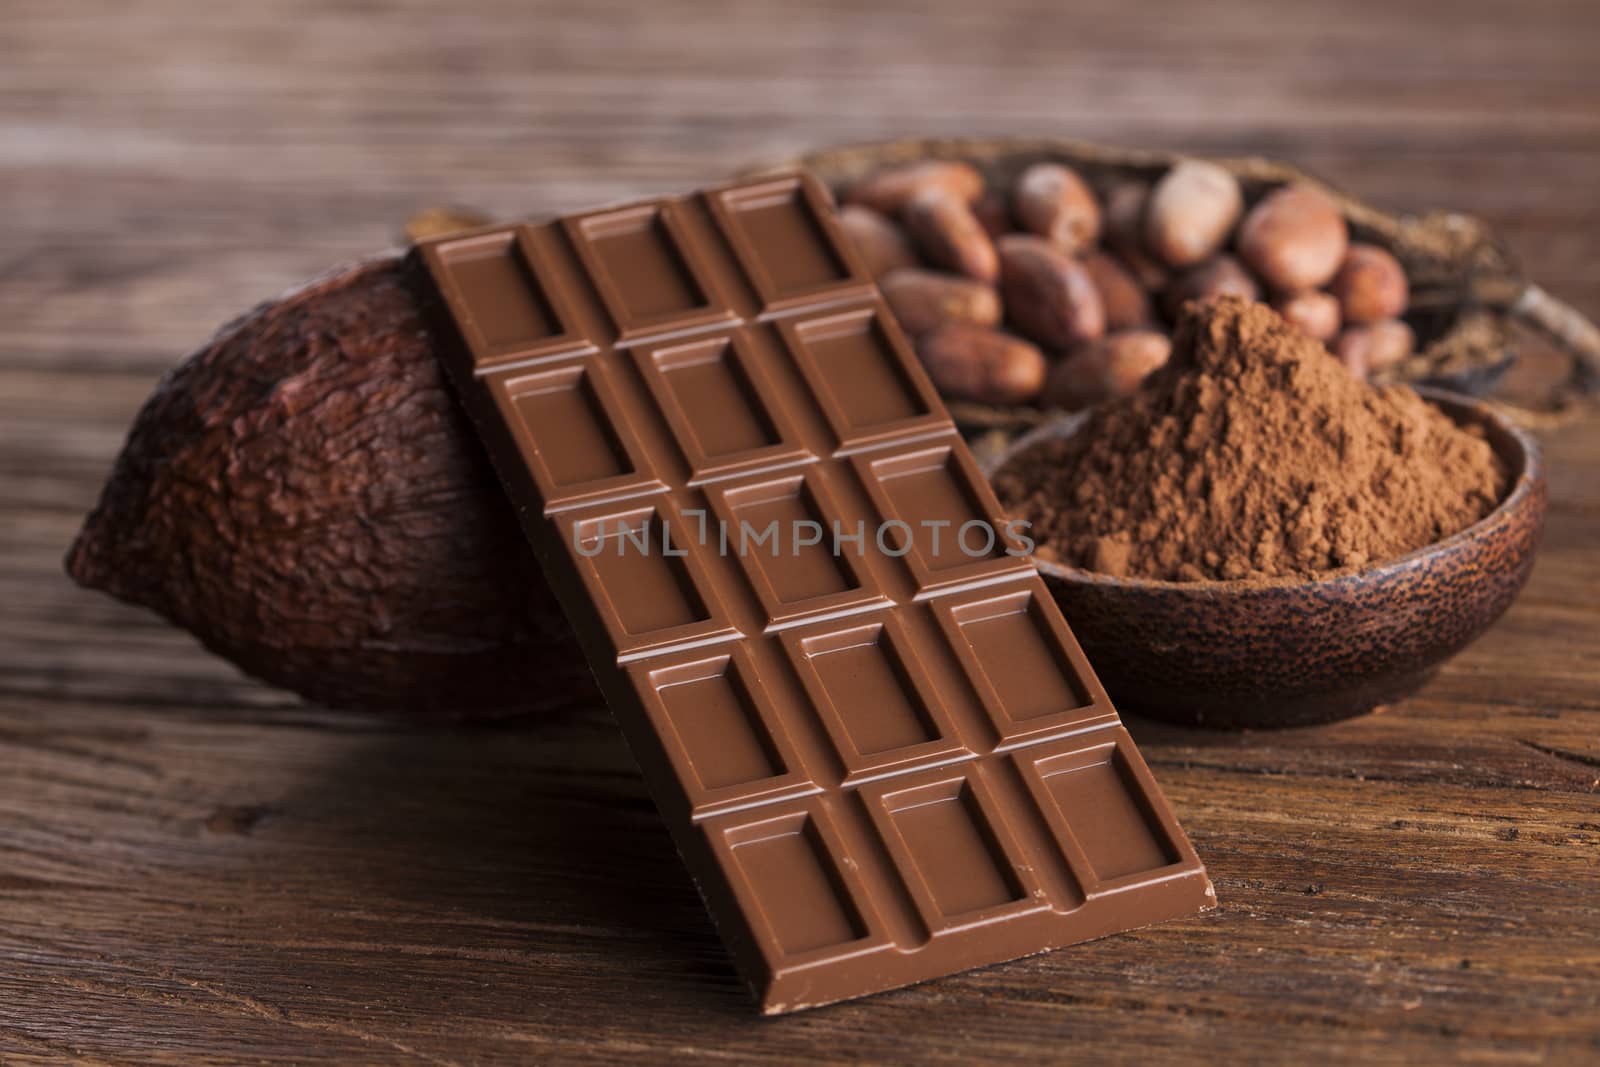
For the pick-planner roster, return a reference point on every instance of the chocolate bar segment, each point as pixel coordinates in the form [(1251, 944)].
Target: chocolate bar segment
[(877, 745)]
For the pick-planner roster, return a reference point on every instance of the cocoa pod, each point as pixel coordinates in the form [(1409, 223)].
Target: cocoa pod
[(1294, 239), (882, 244), (1110, 367), (1371, 285), (922, 299), (1315, 312), (890, 189), (950, 235), (982, 364), (1054, 202), (1219, 276), (1190, 213), (1048, 296), (304, 495), (1126, 302), (1374, 347)]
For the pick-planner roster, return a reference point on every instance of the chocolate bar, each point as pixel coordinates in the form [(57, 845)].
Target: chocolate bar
[(878, 747)]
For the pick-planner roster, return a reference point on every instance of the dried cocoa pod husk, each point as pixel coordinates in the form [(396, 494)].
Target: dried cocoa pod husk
[(304, 495)]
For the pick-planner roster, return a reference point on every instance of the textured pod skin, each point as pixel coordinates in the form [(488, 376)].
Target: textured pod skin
[(305, 497)]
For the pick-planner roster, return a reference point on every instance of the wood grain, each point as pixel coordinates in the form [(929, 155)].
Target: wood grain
[(196, 869)]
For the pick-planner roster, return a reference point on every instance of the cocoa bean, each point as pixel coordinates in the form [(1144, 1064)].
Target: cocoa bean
[(950, 235), (1315, 312), (1123, 230), (883, 245), (1376, 346), (1108, 368), (1123, 216), (1218, 276), (1054, 202), (1190, 213), (923, 299), (1048, 296), (982, 364), (1353, 354), (1126, 302), (1371, 285), (1294, 239), (890, 189), (994, 213)]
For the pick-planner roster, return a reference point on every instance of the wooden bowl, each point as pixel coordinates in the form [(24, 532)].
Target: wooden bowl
[(1236, 655)]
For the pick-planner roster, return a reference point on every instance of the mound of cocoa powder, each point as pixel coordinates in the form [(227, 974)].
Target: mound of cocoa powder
[(1252, 455)]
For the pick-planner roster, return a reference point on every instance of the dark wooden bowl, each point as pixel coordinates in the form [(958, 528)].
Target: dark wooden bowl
[(1236, 655)]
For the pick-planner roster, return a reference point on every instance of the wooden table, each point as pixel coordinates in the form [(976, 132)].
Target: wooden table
[(195, 868)]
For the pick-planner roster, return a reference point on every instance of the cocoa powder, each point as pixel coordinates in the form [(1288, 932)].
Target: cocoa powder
[(1252, 455)]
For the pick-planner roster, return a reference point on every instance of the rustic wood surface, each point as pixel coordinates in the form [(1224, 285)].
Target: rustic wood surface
[(196, 869)]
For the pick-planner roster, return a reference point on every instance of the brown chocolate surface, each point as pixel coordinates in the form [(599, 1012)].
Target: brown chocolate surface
[(878, 747)]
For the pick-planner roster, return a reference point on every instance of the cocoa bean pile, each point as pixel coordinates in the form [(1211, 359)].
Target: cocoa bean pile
[(1059, 294)]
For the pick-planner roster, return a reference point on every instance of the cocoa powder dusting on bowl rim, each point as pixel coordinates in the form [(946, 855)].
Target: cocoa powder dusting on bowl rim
[(1252, 456)]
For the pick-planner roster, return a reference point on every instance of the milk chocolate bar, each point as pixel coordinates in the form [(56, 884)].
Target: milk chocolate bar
[(879, 749)]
